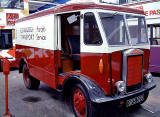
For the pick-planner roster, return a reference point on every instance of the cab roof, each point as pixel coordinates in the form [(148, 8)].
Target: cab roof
[(81, 6)]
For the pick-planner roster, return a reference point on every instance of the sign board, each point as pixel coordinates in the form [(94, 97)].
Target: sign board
[(151, 10), (36, 32), (2, 19), (11, 18)]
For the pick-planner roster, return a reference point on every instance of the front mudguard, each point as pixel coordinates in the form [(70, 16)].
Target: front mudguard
[(97, 95)]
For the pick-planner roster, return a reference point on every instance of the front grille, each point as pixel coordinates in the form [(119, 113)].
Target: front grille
[(134, 72)]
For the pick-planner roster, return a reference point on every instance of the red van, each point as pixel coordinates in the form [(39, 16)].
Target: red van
[(94, 53)]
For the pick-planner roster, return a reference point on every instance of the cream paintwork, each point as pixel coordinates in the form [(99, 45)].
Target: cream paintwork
[(47, 22), (51, 21), (104, 48)]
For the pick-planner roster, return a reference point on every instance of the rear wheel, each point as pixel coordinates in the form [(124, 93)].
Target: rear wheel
[(81, 104), (29, 81)]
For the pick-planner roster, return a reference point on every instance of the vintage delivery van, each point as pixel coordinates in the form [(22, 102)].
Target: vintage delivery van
[(94, 53)]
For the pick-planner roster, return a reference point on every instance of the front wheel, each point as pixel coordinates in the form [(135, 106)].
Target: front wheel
[(81, 103), (29, 81)]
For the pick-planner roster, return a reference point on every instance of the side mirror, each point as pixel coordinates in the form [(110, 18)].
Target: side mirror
[(71, 19)]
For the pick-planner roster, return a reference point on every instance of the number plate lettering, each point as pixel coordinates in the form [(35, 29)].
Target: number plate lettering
[(134, 100)]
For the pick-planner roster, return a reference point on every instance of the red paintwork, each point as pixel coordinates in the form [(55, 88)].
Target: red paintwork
[(13, 64), (146, 61), (59, 59), (79, 103), (134, 72), (81, 6), (61, 79), (90, 68), (116, 68), (42, 63)]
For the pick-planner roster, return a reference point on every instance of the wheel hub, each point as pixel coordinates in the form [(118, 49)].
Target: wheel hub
[(79, 102)]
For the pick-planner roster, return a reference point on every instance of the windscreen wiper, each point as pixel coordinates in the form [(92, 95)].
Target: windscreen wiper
[(109, 15)]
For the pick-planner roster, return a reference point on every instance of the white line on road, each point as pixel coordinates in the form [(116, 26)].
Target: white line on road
[(145, 108)]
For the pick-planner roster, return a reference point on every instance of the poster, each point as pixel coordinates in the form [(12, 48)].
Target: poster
[(11, 18)]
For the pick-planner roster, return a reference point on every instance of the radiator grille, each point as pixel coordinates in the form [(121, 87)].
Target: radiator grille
[(134, 72)]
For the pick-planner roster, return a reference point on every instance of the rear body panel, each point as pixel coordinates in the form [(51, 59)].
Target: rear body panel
[(40, 63)]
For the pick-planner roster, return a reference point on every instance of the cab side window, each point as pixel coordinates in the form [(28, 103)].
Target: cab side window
[(91, 31)]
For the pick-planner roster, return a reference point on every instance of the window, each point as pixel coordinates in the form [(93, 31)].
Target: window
[(154, 34), (115, 29), (5, 39), (137, 29), (14, 4), (91, 30)]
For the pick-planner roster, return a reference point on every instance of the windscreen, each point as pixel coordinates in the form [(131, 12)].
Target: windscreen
[(114, 28), (122, 29), (13, 4), (137, 29)]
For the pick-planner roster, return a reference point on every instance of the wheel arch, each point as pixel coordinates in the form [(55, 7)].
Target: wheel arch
[(68, 84), (95, 93)]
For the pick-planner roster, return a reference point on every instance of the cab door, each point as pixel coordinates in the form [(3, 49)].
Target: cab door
[(94, 58)]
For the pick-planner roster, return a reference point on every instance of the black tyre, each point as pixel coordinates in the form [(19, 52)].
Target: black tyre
[(80, 102), (29, 81)]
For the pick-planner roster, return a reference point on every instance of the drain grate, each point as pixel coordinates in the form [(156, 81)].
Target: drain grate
[(32, 99)]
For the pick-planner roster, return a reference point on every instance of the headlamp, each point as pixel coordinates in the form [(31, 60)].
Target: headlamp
[(149, 77), (120, 86)]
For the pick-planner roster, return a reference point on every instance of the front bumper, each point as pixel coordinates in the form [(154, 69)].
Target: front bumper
[(118, 98)]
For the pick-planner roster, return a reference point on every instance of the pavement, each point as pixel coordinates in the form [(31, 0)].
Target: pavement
[(46, 102)]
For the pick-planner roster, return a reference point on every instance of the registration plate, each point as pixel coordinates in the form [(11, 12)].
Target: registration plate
[(134, 100)]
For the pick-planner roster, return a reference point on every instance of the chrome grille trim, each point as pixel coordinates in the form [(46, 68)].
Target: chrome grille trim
[(126, 54)]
